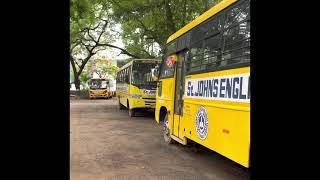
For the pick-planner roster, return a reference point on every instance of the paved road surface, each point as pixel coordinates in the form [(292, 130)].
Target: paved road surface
[(107, 144)]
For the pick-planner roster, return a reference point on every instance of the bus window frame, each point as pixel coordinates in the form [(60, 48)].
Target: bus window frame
[(221, 14)]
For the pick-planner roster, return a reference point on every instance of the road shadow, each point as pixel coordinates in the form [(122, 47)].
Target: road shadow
[(140, 114)]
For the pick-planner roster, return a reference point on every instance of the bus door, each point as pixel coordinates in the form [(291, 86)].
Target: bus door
[(179, 92)]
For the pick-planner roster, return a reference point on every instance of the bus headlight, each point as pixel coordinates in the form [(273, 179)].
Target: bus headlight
[(136, 96)]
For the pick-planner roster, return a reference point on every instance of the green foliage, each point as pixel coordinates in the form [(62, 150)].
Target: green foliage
[(84, 77), (148, 22), (112, 70), (88, 31), (85, 13), (145, 26), (104, 68)]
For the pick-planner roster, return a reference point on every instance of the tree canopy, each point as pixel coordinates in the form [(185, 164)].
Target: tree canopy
[(145, 26)]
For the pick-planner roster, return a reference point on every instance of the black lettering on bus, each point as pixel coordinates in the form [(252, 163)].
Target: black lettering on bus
[(191, 89), (200, 88), (222, 87), (210, 87), (229, 88), (235, 91), (241, 96), (215, 87), (188, 92), (197, 92), (205, 88)]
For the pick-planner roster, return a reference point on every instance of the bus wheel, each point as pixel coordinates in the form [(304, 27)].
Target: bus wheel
[(166, 131), (121, 107), (131, 112)]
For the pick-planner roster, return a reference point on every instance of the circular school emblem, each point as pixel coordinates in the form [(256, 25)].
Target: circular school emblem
[(202, 123)]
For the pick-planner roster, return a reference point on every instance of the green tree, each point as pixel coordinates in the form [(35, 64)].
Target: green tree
[(104, 68), (90, 32), (147, 24)]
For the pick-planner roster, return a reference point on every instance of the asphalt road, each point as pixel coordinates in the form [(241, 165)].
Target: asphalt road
[(107, 144)]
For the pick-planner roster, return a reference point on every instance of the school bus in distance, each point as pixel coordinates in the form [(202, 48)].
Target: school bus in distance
[(99, 88), (136, 85), (203, 93)]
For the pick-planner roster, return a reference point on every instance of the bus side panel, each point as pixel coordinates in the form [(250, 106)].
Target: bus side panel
[(123, 93), (228, 131), (228, 123), (166, 99), (135, 102), (147, 100)]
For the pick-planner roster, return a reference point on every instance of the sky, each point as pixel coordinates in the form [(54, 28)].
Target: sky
[(112, 53)]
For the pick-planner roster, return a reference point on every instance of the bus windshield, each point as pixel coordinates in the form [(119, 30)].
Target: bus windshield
[(142, 74), (98, 84)]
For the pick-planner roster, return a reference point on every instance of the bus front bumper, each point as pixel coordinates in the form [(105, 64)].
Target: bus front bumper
[(97, 95), (143, 103)]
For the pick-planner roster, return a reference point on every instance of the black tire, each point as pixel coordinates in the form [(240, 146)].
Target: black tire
[(166, 131), (131, 112), (121, 107)]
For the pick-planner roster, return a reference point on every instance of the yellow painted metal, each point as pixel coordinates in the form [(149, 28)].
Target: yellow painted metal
[(166, 99), (106, 93), (228, 122), (99, 93), (127, 90)]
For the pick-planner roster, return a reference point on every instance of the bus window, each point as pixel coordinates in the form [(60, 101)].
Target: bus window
[(236, 35), (104, 84), (196, 57), (141, 73)]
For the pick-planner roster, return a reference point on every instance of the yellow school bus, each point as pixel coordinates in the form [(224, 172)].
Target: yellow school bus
[(99, 88), (136, 85), (203, 92)]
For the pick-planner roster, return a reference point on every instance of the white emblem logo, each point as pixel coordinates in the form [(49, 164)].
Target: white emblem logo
[(202, 123), (149, 91)]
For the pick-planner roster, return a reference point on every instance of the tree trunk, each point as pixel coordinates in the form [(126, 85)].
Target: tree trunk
[(77, 83), (75, 74)]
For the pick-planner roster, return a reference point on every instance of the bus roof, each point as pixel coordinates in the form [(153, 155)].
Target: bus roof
[(129, 63), (206, 15)]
